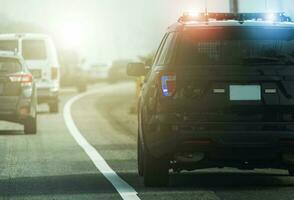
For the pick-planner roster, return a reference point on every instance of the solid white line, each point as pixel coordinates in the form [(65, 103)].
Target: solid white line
[(123, 188)]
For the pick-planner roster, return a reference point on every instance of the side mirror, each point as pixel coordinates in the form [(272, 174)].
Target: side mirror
[(136, 69)]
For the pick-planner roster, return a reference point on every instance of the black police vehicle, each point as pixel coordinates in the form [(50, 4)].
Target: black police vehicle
[(220, 93), (18, 100)]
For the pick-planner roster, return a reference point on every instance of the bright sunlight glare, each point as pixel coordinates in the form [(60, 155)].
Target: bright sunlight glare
[(71, 34)]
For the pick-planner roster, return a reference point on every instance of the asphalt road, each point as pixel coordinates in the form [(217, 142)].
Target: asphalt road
[(51, 165)]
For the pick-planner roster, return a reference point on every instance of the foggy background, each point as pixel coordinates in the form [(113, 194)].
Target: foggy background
[(115, 29)]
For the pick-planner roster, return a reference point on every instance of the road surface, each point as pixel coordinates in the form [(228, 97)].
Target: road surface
[(53, 165)]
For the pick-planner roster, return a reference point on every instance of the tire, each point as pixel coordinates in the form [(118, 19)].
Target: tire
[(140, 158), (30, 126), (54, 107), (156, 171), (291, 172)]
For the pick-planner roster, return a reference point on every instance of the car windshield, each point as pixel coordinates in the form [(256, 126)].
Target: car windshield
[(9, 66), (233, 46), (34, 49)]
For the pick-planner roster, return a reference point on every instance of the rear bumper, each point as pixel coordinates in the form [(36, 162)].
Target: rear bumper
[(15, 109), (14, 117), (168, 136), (46, 95)]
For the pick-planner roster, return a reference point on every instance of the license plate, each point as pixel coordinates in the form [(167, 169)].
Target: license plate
[(245, 93)]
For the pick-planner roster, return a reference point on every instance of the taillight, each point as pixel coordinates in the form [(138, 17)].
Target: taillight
[(24, 79), (54, 73), (167, 83)]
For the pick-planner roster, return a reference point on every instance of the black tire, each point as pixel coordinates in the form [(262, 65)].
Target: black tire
[(140, 158), (291, 172), (54, 107), (30, 126), (156, 171)]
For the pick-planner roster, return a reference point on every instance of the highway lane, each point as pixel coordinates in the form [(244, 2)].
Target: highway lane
[(51, 165)]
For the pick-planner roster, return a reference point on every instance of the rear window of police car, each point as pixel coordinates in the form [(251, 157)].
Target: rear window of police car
[(233, 45)]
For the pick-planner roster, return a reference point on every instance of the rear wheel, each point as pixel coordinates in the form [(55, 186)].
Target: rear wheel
[(156, 171), (54, 107), (30, 125)]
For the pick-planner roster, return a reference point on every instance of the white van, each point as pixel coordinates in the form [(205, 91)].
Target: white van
[(40, 54)]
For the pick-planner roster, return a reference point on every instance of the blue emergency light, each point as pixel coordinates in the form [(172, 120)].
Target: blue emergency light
[(241, 17)]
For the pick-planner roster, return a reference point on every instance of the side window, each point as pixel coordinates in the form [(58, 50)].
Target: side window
[(156, 57), (167, 50)]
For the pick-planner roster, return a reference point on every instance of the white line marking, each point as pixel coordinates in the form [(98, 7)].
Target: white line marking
[(123, 188)]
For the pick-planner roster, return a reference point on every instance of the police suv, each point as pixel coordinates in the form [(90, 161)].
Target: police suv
[(220, 93)]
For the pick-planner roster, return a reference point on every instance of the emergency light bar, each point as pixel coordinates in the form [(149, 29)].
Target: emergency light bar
[(241, 17)]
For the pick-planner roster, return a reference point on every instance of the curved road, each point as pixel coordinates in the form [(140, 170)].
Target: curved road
[(51, 165)]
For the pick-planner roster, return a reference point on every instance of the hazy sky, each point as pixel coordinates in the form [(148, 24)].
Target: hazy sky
[(114, 28)]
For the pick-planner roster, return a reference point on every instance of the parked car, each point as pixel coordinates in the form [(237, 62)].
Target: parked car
[(40, 55), (18, 95), (220, 93), (74, 77)]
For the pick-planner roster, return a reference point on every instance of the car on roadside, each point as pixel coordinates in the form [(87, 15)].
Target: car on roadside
[(39, 52), (73, 74), (18, 94), (220, 93), (70, 75)]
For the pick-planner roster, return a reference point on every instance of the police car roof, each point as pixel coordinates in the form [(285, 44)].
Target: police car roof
[(182, 26)]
